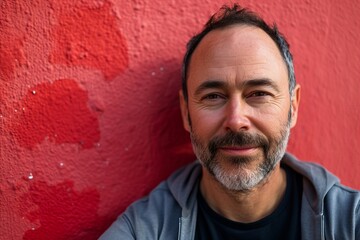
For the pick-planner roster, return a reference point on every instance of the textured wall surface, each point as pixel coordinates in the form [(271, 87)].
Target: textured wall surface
[(89, 115)]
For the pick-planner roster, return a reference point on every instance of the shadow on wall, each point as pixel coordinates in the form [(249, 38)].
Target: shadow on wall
[(158, 144), (149, 125)]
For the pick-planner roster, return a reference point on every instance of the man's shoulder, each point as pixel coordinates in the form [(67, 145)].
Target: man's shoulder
[(342, 212), (175, 190), (161, 209), (341, 197), (153, 208), (144, 217)]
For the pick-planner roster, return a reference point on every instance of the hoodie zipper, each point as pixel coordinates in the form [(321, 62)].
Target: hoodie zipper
[(322, 226), (179, 233)]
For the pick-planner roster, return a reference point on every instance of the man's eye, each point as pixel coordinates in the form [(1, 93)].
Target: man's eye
[(213, 99), (212, 96), (258, 94)]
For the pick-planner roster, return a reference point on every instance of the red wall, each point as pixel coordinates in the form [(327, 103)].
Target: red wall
[(89, 115)]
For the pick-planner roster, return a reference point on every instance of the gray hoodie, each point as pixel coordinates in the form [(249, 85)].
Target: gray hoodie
[(329, 209)]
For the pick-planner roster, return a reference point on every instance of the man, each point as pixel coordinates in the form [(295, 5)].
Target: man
[(239, 100)]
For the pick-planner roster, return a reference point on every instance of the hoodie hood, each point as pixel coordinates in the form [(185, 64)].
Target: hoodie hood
[(316, 179), (183, 185)]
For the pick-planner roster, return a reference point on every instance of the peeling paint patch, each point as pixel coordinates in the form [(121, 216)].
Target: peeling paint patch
[(11, 57), (56, 111), (60, 212), (89, 37)]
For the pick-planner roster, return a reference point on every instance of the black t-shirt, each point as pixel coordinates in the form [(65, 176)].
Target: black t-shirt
[(283, 223)]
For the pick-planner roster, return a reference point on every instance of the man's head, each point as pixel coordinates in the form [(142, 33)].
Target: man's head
[(235, 101), (238, 16)]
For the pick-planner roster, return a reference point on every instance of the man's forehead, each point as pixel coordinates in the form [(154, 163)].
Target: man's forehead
[(236, 39), (239, 52)]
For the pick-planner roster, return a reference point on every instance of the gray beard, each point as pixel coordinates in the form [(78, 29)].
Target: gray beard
[(240, 177)]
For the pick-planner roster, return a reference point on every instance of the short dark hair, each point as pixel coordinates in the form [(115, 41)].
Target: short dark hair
[(228, 16)]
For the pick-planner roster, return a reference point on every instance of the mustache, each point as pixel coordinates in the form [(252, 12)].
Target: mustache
[(232, 139)]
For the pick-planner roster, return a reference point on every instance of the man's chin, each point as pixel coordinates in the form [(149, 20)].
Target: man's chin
[(239, 174), (240, 182)]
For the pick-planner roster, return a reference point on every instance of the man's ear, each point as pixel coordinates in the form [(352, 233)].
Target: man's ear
[(295, 101), (184, 111)]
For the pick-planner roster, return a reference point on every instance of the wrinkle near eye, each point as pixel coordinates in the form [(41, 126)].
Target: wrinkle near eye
[(277, 103)]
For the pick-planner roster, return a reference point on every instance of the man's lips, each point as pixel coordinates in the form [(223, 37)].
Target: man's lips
[(238, 150), (237, 147)]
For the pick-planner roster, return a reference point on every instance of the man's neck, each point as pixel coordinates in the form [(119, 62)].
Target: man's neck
[(248, 206)]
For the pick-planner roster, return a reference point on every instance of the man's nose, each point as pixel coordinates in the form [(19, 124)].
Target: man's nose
[(237, 116)]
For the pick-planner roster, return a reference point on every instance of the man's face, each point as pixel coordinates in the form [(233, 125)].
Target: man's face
[(239, 111)]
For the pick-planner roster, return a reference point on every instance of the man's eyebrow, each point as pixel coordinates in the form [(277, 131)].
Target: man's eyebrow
[(261, 82), (217, 84), (209, 85)]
